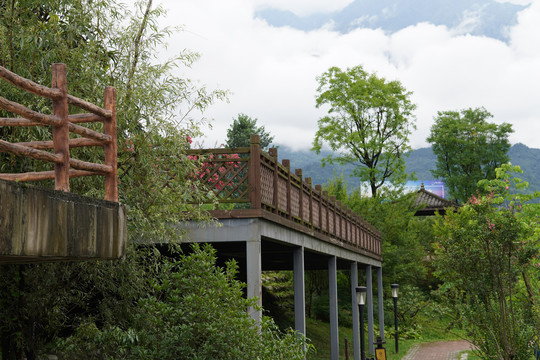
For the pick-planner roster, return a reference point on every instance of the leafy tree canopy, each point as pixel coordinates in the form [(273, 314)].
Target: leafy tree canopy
[(368, 124), (468, 149), (242, 128)]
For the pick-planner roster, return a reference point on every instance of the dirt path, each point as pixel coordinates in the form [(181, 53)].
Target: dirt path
[(441, 350)]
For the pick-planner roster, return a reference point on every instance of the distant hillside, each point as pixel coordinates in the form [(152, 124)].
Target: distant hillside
[(420, 161), (478, 17)]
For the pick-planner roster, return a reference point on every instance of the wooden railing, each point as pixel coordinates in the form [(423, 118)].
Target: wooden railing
[(255, 178), (62, 124)]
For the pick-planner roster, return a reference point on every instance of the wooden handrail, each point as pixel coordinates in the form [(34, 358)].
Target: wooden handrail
[(62, 124)]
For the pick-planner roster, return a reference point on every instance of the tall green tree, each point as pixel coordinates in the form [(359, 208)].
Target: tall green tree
[(368, 124), (242, 128), (468, 149)]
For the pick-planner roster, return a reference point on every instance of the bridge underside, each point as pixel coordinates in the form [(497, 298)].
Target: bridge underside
[(258, 244)]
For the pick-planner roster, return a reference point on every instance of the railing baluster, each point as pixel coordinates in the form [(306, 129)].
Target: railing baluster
[(254, 172), (319, 190), (298, 172), (287, 164), (310, 217), (275, 199)]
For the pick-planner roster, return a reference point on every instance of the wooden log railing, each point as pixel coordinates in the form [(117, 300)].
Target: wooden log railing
[(256, 178), (62, 125)]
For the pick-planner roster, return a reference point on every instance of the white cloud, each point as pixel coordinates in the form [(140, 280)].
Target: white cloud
[(517, 2), (272, 71), (303, 7)]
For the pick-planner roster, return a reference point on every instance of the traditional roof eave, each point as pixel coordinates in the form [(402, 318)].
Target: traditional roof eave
[(429, 203)]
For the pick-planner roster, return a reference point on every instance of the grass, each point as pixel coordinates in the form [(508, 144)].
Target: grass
[(471, 356), (319, 334)]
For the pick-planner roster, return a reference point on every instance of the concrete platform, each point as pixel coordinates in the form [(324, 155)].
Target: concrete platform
[(39, 225)]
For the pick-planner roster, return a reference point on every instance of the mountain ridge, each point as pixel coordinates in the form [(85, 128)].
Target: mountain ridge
[(478, 17), (420, 161)]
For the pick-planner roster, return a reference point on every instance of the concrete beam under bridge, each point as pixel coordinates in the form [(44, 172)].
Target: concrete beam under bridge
[(258, 229)]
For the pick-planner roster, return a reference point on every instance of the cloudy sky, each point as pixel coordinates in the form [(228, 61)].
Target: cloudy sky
[(268, 53)]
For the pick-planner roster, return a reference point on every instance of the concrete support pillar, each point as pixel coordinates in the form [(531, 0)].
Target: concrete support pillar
[(254, 281), (369, 285), (381, 302), (332, 281), (355, 314), (299, 291)]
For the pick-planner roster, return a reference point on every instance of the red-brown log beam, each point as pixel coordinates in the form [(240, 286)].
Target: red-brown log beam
[(28, 151), (28, 113), (73, 143), (84, 165), (85, 105), (44, 175), (29, 85)]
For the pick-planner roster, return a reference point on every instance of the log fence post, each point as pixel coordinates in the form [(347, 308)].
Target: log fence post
[(61, 133), (111, 148)]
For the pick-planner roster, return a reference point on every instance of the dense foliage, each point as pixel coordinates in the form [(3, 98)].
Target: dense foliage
[(143, 306), (368, 124), (468, 149), (487, 251)]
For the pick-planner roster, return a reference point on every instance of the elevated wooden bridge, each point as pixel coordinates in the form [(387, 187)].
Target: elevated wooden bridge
[(271, 218)]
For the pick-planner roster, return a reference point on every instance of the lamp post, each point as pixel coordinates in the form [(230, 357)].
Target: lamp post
[(361, 292), (395, 289)]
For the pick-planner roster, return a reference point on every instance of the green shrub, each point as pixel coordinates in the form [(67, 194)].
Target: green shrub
[(196, 310)]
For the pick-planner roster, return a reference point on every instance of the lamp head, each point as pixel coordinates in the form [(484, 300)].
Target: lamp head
[(361, 292), (395, 289)]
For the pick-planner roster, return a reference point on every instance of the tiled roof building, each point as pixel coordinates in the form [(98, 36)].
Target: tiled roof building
[(428, 203)]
